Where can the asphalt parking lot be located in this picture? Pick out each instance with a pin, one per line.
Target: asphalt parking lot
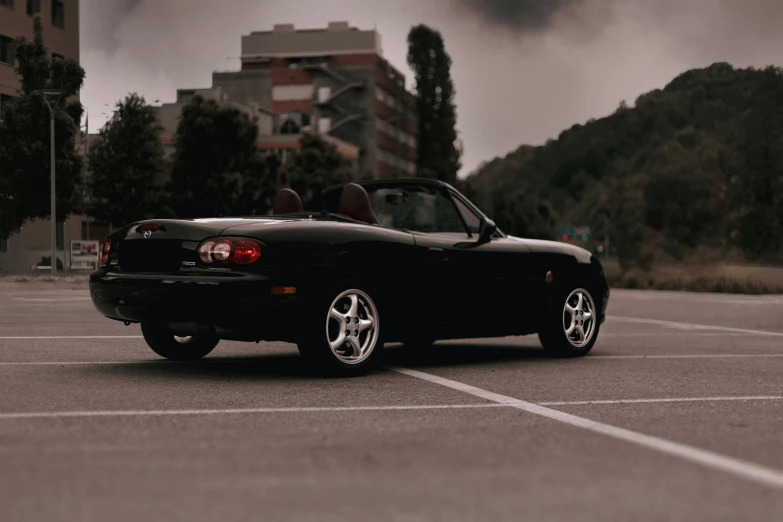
(677, 414)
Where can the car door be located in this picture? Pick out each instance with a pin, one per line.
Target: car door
(448, 284)
(502, 276)
(431, 298)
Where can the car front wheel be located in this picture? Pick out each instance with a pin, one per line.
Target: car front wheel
(344, 335)
(163, 342)
(571, 328)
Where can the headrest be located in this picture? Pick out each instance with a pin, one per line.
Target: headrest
(355, 203)
(287, 201)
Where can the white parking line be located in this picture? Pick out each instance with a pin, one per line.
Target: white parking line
(763, 475)
(87, 363)
(135, 413)
(49, 300)
(691, 333)
(664, 400)
(65, 337)
(717, 299)
(691, 326)
(244, 361)
(685, 356)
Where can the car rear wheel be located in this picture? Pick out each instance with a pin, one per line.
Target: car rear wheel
(343, 337)
(571, 327)
(164, 343)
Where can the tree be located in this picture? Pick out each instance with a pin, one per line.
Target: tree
(438, 155)
(315, 166)
(25, 137)
(687, 169)
(759, 187)
(217, 169)
(522, 214)
(127, 164)
(626, 215)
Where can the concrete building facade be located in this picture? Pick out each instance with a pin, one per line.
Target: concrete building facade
(60, 20)
(273, 137)
(335, 81)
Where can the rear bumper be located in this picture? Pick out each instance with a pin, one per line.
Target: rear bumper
(240, 302)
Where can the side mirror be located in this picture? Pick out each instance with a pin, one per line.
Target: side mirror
(486, 229)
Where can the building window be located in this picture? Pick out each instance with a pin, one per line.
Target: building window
(7, 51)
(3, 246)
(289, 126)
(33, 7)
(7, 3)
(58, 14)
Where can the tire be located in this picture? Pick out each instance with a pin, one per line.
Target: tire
(564, 315)
(165, 343)
(324, 345)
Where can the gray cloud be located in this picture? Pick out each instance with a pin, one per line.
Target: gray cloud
(523, 15)
(571, 18)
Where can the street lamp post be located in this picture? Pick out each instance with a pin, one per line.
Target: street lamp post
(52, 202)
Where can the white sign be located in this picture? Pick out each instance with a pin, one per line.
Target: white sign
(84, 253)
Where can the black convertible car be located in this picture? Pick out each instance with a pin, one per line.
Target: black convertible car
(405, 260)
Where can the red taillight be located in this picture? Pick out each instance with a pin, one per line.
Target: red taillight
(246, 252)
(105, 247)
(223, 251)
(150, 227)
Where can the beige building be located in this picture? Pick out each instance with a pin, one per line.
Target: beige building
(335, 81)
(270, 137)
(61, 36)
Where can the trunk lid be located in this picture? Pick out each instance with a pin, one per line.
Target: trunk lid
(169, 245)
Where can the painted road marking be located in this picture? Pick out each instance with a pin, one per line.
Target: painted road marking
(50, 300)
(65, 337)
(135, 413)
(663, 400)
(691, 332)
(75, 363)
(691, 326)
(260, 359)
(676, 356)
(305, 409)
(602, 335)
(755, 301)
(761, 474)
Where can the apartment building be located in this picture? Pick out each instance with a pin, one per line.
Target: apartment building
(272, 135)
(60, 20)
(335, 81)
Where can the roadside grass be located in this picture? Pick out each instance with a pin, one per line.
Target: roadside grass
(726, 279)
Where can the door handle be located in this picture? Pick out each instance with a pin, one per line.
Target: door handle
(438, 254)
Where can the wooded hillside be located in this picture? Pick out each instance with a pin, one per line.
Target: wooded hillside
(694, 167)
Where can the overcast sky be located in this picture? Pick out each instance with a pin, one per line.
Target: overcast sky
(524, 70)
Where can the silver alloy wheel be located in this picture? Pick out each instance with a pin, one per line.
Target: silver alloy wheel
(579, 318)
(352, 326)
(183, 339)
